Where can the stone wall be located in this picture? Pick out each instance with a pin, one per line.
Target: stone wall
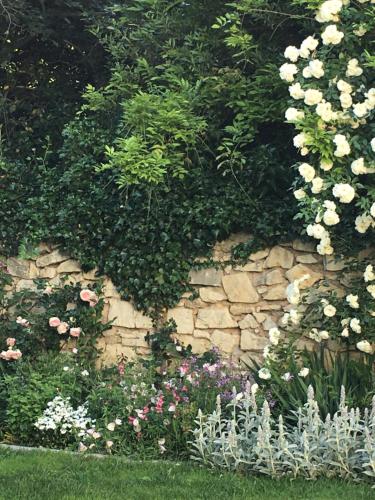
(234, 311)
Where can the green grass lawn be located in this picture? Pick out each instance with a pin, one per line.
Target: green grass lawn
(41, 475)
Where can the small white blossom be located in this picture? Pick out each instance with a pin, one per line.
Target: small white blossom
(331, 35)
(365, 346)
(304, 372)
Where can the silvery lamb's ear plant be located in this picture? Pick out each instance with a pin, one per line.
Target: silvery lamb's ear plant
(248, 438)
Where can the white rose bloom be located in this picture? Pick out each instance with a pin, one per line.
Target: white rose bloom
(353, 68)
(287, 72)
(299, 194)
(360, 109)
(329, 205)
(306, 72)
(373, 144)
(304, 372)
(317, 185)
(345, 332)
(331, 35)
(307, 172)
(314, 335)
(287, 376)
(295, 316)
(285, 319)
(352, 300)
(296, 91)
(342, 145)
(310, 43)
(316, 68)
(344, 87)
(330, 218)
(369, 274)
(312, 97)
(371, 97)
(316, 231)
(291, 53)
(304, 151)
(324, 247)
(326, 165)
(264, 374)
(324, 110)
(324, 335)
(371, 290)
(365, 346)
(274, 336)
(299, 140)
(328, 11)
(294, 115)
(346, 100)
(363, 222)
(358, 167)
(372, 210)
(329, 311)
(344, 192)
(355, 325)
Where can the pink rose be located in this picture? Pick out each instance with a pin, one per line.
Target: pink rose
(75, 332)
(11, 342)
(11, 355)
(54, 322)
(86, 295)
(62, 328)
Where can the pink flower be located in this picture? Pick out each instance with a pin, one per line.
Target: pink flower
(11, 355)
(54, 322)
(11, 342)
(75, 332)
(85, 295)
(172, 407)
(62, 328)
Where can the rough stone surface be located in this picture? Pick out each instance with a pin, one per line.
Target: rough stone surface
(304, 246)
(208, 277)
(238, 309)
(122, 313)
(248, 322)
(49, 259)
(184, 319)
(19, 268)
(142, 321)
(252, 341)
(307, 258)
(25, 285)
(275, 277)
(239, 288)
(212, 294)
(224, 340)
(47, 272)
(277, 292)
(215, 317)
(300, 270)
(332, 264)
(69, 266)
(261, 254)
(280, 257)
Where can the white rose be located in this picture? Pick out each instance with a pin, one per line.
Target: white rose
(287, 72)
(299, 140)
(316, 231)
(369, 274)
(299, 194)
(353, 69)
(360, 109)
(331, 35)
(363, 222)
(371, 290)
(307, 172)
(344, 192)
(355, 325)
(328, 11)
(326, 165)
(373, 144)
(304, 151)
(372, 210)
(324, 110)
(358, 167)
(296, 91)
(324, 335)
(264, 374)
(309, 44)
(365, 346)
(316, 68)
(330, 218)
(306, 72)
(317, 185)
(274, 336)
(344, 87)
(291, 53)
(352, 300)
(346, 100)
(324, 247)
(304, 372)
(294, 115)
(342, 145)
(371, 97)
(345, 332)
(312, 97)
(329, 205)
(329, 311)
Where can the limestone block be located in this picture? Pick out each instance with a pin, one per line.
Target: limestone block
(269, 306)
(238, 309)
(91, 275)
(142, 321)
(110, 290)
(225, 341)
(47, 272)
(113, 352)
(276, 292)
(248, 322)
(275, 277)
(262, 289)
(184, 319)
(249, 358)
(34, 271)
(307, 258)
(208, 277)
(280, 257)
(129, 340)
(332, 264)
(304, 246)
(18, 267)
(250, 341)
(198, 345)
(258, 279)
(26, 285)
(122, 313)
(233, 240)
(49, 259)
(212, 294)
(202, 334)
(253, 267)
(215, 317)
(69, 266)
(260, 317)
(269, 323)
(261, 254)
(192, 304)
(239, 288)
(300, 270)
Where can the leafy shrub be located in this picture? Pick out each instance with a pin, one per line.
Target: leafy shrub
(251, 440)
